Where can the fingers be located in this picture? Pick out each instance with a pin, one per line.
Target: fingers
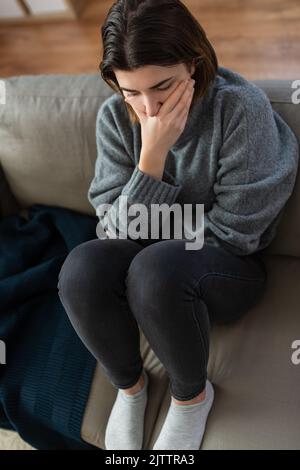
(185, 99)
(184, 104)
(187, 95)
(182, 115)
(174, 98)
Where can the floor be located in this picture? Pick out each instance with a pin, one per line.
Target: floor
(258, 38)
(11, 440)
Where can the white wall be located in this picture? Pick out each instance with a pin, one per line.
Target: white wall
(46, 6)
(10, 9)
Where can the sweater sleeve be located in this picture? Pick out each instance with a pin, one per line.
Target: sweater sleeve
(257, 169)
(116, 175)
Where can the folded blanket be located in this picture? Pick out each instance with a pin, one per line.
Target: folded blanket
(45, 382)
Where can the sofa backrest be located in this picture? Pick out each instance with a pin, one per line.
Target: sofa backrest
(48, 148)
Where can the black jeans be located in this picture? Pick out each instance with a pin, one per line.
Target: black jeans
(110, 286)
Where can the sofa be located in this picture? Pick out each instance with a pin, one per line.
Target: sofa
(47, 156)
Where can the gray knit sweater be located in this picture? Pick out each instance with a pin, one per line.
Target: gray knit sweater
(236, 156)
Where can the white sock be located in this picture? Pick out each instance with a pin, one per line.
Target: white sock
(184, 425)
(125, 427)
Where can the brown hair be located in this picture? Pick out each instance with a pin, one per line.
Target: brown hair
(155, 32)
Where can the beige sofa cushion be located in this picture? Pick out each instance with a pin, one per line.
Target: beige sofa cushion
(48, 147)
(47, 135)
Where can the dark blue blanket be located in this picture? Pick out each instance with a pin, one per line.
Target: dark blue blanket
(45, 382)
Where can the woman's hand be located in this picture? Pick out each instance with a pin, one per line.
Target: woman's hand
(160, 132)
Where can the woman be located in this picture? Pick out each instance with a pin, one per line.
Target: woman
(213, 140)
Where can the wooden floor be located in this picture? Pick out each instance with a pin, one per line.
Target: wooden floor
(258, 38)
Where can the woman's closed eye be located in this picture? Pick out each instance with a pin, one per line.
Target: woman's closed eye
(160, 89)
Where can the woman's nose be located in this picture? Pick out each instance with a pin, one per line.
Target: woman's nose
(151, 108)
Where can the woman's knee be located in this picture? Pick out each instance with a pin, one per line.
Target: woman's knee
(153, 279)
(77, 267)
(95, 265)
(87, 269)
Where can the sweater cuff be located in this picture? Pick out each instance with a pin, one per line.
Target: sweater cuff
(149, 190)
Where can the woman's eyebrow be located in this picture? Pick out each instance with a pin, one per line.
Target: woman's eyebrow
(152, 87)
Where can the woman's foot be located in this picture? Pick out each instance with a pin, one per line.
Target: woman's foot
(184, 425)
(125, 427)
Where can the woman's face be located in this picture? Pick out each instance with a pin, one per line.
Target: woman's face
(147, 88)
